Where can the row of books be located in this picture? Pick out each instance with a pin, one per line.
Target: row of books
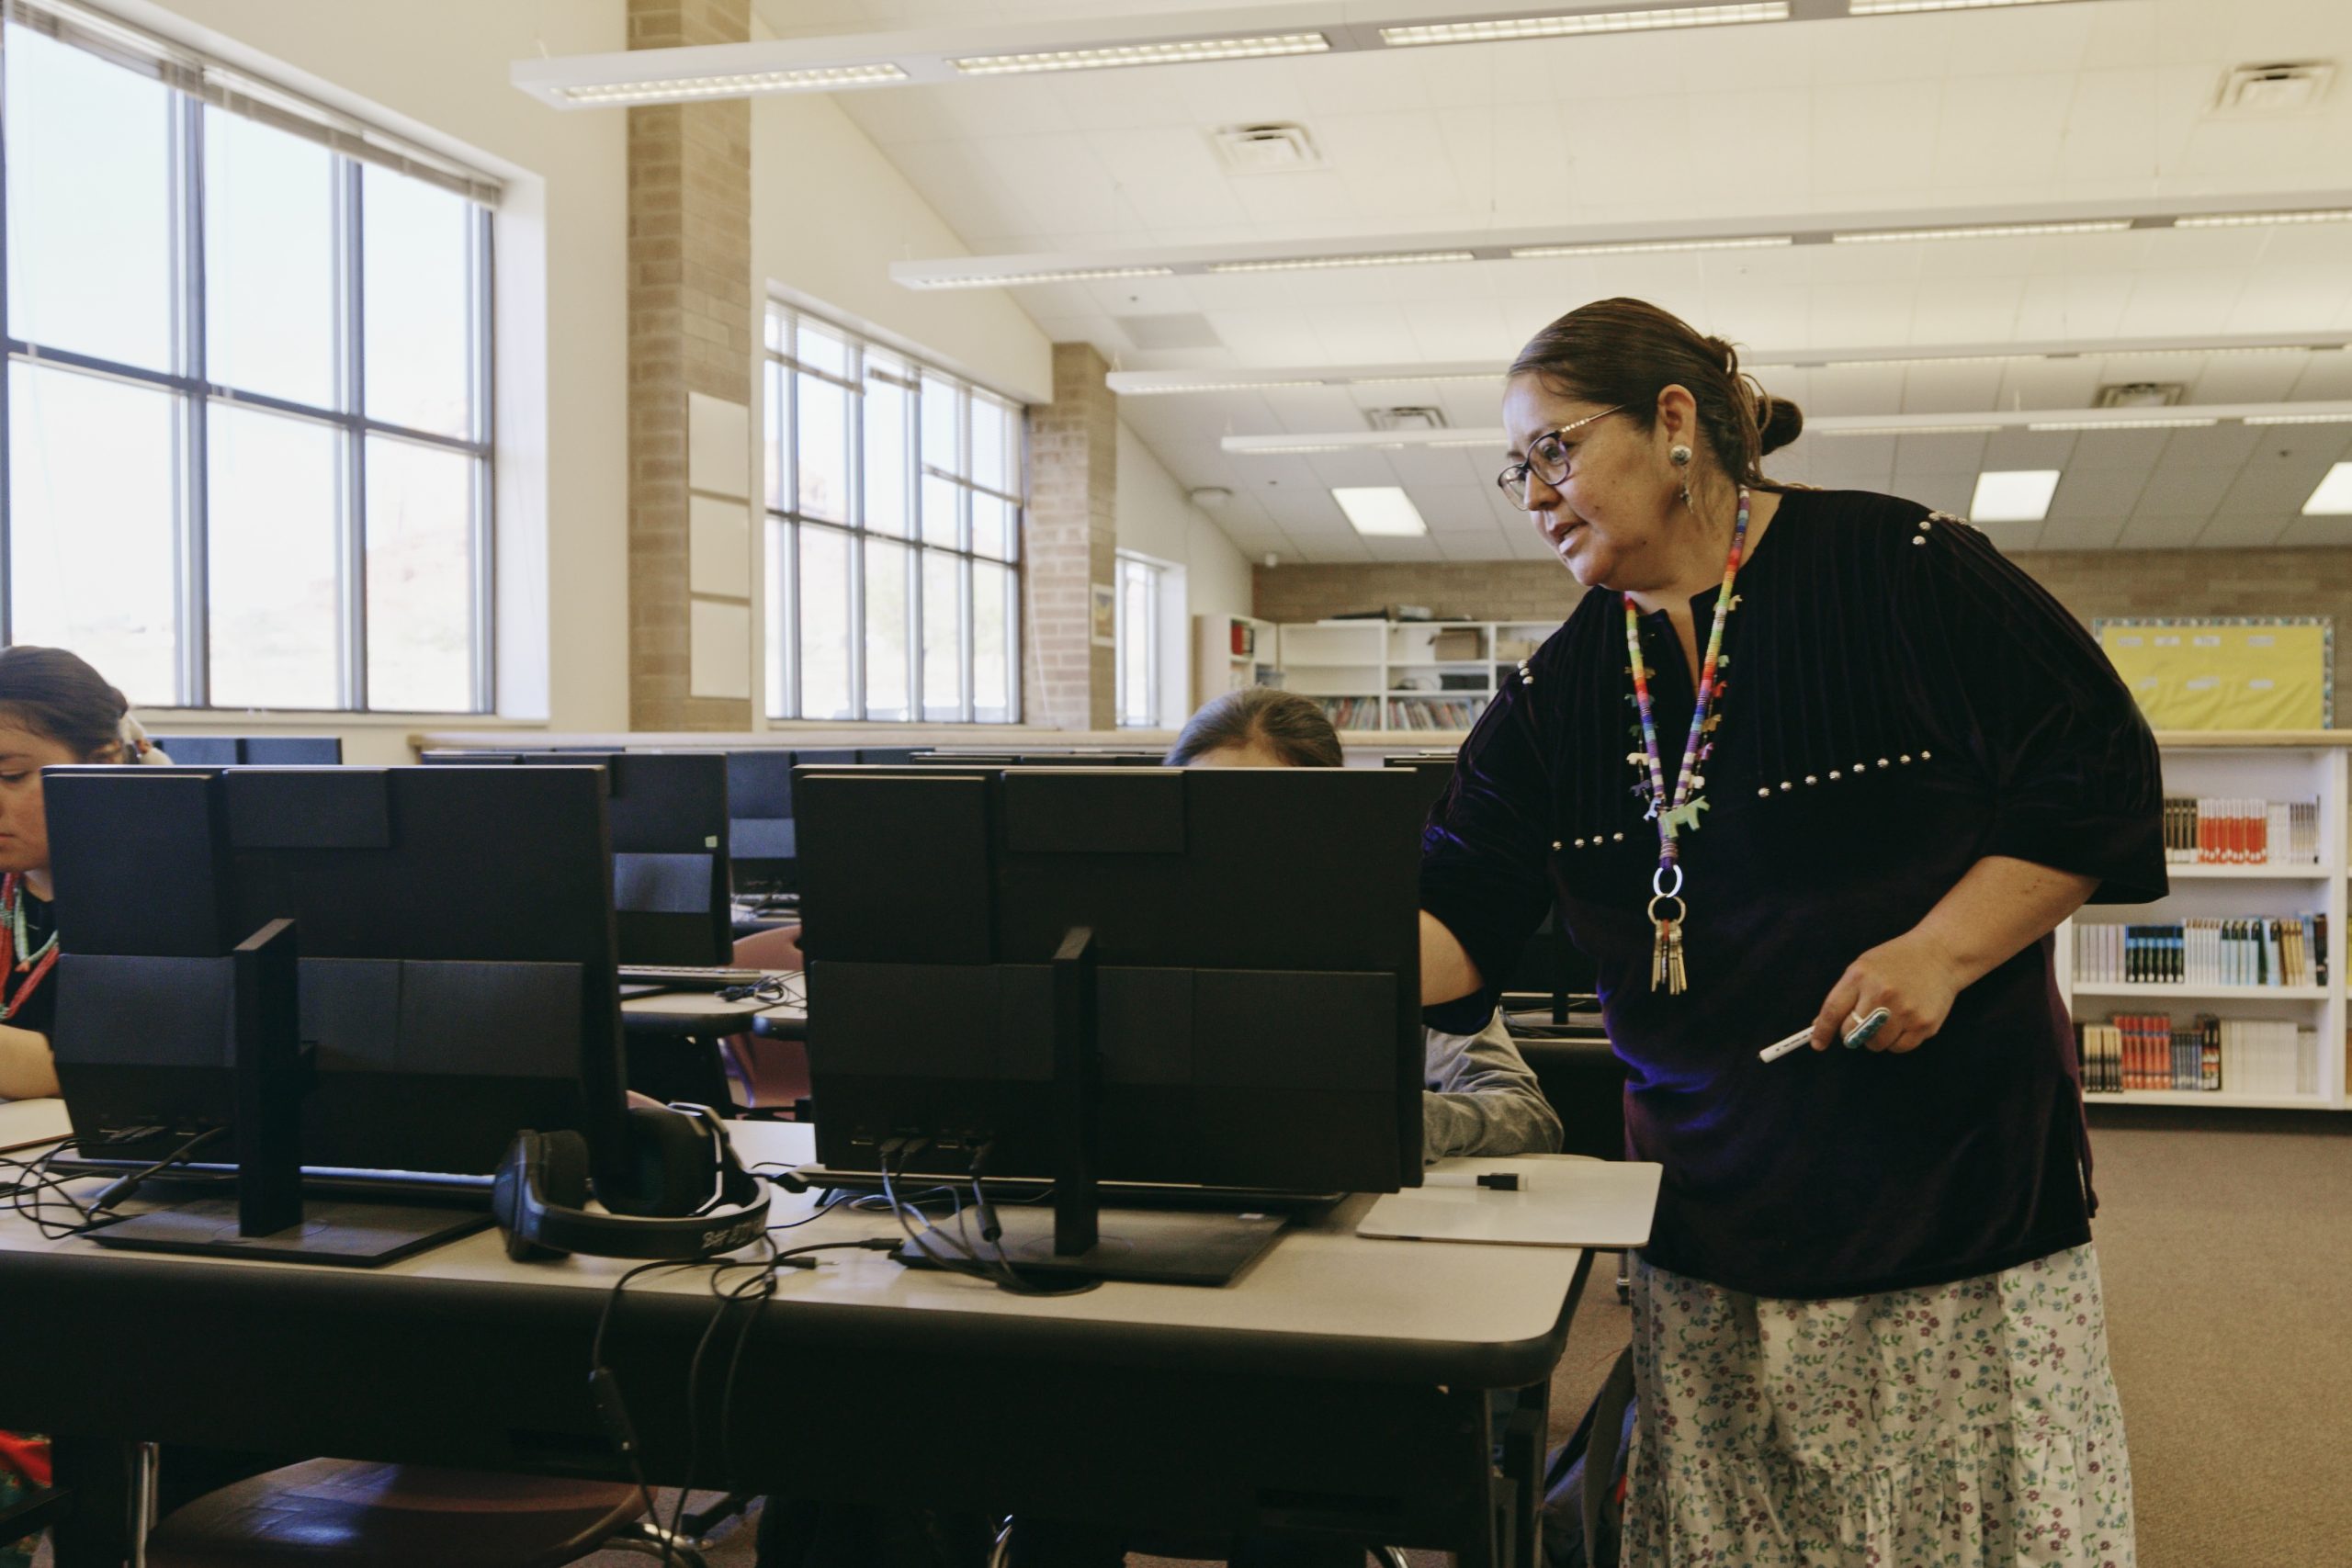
(1353, 712)
(2204, 1053)
(2240, 830)
(1434, 713)
(2256, 951)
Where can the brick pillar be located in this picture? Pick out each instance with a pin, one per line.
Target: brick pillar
(1069, 682)
(691, 330)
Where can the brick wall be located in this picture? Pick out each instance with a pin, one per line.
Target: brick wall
(1070, 544)
(692, 329)
(2089, 582)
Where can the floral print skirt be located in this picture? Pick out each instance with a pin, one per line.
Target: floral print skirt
(1971, 1425)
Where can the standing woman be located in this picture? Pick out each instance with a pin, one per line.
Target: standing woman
(1799, 757)
(53, 709)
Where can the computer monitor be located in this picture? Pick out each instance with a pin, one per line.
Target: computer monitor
(764, 839)
(1250, 964)
(267, 750)
(1550, 969)
(671, 830)
(455, 935)
(1070, 759)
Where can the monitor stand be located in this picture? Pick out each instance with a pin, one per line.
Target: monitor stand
(1156, 1245)
(267, 1218)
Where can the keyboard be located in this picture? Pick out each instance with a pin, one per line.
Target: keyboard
(688, 976)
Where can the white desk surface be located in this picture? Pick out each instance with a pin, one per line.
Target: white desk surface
(29, 1121)
(1319, 1281)
(706, 1004)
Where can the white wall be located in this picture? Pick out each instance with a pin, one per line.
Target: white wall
(1155, 519)
(435, 70)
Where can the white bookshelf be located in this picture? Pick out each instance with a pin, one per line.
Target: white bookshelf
(1218, 669)
(2299, 767)
(1426, 678)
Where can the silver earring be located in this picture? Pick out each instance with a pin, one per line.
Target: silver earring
(1679, 455)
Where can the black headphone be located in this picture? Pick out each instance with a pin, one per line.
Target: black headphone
(689, 1196)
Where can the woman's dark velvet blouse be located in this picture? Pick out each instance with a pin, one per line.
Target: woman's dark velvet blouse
(1900, 701)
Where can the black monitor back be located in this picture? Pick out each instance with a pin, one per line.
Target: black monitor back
(670, 831)
(456, 933)
(261, 751)
(1258, 942)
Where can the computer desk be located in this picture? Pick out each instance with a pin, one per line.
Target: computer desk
(1338, 1385)
(700, 1014)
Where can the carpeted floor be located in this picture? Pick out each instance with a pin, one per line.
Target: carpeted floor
(2226, 1242)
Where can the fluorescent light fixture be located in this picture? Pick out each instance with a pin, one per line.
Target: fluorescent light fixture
(1630, 247)
(2190, 423)
(1305, 264)
(817, 78)
(1494, 375)
(1906, 8)
(1159, 391)
(1905, 430)
(2344, 418)
(1008, 280)
(1381, 512)
(2249, 219)
(1983, 231)
(2333, 496)
(1188, 52)
(1930, 359)
(1509, 29)
(2013, 495)
(1297, 451)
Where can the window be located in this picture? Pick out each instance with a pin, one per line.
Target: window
(247, 407)
(1139, 639)
(894, 532)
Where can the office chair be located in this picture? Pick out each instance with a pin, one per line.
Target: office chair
(772, 1073)
(329, 1513)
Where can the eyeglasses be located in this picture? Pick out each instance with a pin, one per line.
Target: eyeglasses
(1547, 460)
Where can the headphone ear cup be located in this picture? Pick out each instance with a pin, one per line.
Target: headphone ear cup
(668, 1165)
(556, 1166)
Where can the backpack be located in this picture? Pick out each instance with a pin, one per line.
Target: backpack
(1584, 1498)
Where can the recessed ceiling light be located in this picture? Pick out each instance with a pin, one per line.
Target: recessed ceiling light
(1380, 511)
(1983, 231)
(2333, 496)
(1508, 29)
(2190, 423)
(1008, 280)
(2013, 495)
(1930, 359)
(1903, 7)
(2249, 219)
(1303, 264)
(820, 78)
(2344, 418)
(1186, 52)
(1630, 247)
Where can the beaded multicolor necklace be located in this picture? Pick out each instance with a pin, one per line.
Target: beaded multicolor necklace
(1680, 813)
(20, 954)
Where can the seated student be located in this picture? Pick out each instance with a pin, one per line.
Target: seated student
(1482, 1097)
(53, 709)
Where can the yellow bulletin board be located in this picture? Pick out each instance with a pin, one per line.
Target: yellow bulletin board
(2243, 673)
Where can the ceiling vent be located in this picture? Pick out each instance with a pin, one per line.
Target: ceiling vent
(2140, 395)
(1410, 418)
(1276, 147)
(2286, 87)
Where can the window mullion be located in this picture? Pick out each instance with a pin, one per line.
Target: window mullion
(351, 512)
(483, 322)
(192, 470)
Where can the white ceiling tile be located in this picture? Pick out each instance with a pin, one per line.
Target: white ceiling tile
(1872, 137)
(2010, 538)
(2226, 444)
(2325, 375)
(2184, 302)
(1454, 509)
(1949, 388)
(2174, 491)
(2079, 533)
(1939, 493)
(2309, 532)
(2235, 531)
(2108, 494)
(2007, 449)
(2280, 478)
(2136, 450)
(1862, 391)
(2244, 378)
(1918, 457)
(1992, 126)
(2160, 533)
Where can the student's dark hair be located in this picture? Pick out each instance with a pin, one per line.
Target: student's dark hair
(1294, 726)
(1623, 353)
(54, 695)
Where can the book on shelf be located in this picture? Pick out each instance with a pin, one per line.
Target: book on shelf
(2205, 1054)
(1433, 712)
(2283, 950)
(2240, 830)
(1351, 712)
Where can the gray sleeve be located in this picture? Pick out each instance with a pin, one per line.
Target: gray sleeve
(1483, 1098)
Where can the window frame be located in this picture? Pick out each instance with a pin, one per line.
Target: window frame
(782, 368)
(1145, 639)
(196, 395)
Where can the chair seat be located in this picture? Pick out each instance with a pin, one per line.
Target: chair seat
(348, 1514)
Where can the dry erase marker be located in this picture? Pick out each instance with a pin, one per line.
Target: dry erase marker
(1863, 1035)
(1780, 1048)
(1494, 1181)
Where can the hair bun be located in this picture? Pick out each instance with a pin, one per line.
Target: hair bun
(1777, 422)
